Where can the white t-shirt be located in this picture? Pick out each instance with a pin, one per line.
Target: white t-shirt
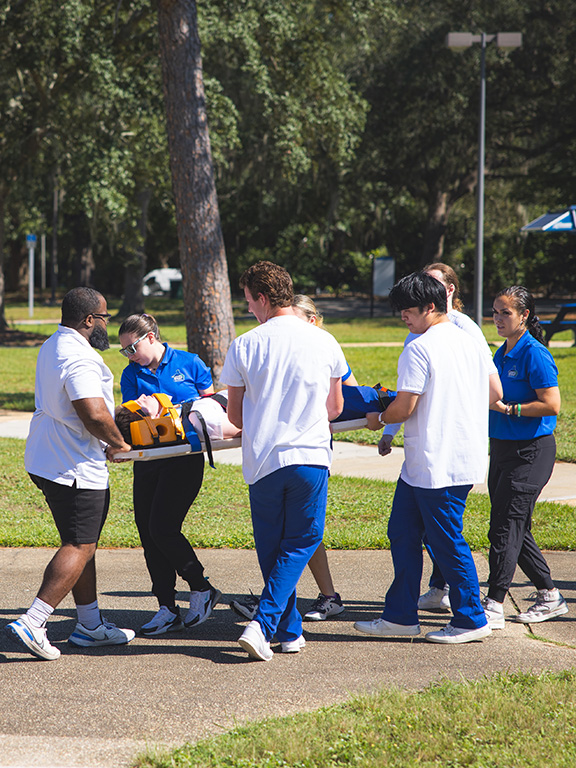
(468, 325)
(59, 447)
(285, 365)
(446, 437)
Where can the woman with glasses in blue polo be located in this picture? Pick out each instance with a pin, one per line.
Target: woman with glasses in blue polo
(165, 489)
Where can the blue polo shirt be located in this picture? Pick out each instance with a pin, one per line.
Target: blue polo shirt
(180, 374)
(527, 367)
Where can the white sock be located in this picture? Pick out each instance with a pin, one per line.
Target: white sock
(89, 615)
(39, 613)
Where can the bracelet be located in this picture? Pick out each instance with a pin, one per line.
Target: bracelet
(380, 418)
(518, 409)
(508, 409)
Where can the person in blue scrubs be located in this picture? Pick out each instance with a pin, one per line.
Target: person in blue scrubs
(164, 490)
(522, 454)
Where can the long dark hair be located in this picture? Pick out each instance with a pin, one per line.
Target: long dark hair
(523, 300)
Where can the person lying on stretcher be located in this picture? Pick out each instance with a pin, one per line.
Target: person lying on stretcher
(153, 420)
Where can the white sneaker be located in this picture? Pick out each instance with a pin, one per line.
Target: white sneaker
(31, 639)
(165, 620)
(549, 603)
(435, 600)
(494, 613)
(450, 634)
(106, 634)
(293, 646)
(201, 605)
(385, 628)
(253, 641)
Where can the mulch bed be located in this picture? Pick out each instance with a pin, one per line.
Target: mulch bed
(14, 338)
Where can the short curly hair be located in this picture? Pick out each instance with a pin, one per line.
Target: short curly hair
(270, 280)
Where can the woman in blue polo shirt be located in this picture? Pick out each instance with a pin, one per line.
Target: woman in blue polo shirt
(522, 454)
(164, 489)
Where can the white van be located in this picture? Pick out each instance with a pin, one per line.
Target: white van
(159, 281)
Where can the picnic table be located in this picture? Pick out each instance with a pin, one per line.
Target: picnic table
(560, 322)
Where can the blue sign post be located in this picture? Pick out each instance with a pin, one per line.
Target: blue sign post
(31, 243)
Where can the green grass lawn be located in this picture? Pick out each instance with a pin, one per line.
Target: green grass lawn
(508, 721)
(357, 514)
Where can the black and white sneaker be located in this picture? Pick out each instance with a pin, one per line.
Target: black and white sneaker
(201, 605)
(165, 620)
(247, 608)
(324, 607)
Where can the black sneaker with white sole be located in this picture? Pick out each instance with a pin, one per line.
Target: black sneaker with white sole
(165, 620)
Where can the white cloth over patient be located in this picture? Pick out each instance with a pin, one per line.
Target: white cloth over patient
(212, 413)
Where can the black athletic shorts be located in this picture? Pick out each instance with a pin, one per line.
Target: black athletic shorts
(79, 513)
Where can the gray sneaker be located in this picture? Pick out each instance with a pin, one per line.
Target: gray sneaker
(324, 607)
(106, 634)
(549, 603)
(247, 608)
(201, 605)
(163, 621)
(31, 639)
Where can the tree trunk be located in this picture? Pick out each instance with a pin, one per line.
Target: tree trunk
(207, 299)
(435, 232)
(3, 196)
(133, 302)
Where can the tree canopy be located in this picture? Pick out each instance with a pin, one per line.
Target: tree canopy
(338, 129)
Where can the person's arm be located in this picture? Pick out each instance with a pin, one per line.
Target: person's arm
(350, 381)
(495, 388)
(335, 399)
(235, 400)
(209, 391)
(95, 416)
(398, 411)
(547, 404)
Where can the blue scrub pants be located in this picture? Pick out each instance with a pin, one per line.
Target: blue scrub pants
(434, 513)
(288, 512)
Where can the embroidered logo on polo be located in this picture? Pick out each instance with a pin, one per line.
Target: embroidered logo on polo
(512, 373)
(178, 376)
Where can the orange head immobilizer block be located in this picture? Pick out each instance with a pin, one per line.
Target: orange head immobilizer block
(165, 429)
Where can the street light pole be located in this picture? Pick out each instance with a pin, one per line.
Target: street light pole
(458, 41)
(479, 261)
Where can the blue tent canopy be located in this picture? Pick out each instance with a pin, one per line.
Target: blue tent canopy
(554, 221)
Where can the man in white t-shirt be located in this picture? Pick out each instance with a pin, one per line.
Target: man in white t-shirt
(445, 385)
(284, 385)
(72, 427)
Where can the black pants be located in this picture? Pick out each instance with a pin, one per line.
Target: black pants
(163, 493)
(519, 469)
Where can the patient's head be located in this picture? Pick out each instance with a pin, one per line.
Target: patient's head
(123, 418)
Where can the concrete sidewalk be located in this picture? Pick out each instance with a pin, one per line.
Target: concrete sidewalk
(99, 708)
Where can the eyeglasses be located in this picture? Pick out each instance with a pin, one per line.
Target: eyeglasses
(105, 317)
(130, 349)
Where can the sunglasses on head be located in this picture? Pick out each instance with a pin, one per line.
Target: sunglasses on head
(130, 349)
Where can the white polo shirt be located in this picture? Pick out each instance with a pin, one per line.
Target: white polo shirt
(59, 447)
(286, 366)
